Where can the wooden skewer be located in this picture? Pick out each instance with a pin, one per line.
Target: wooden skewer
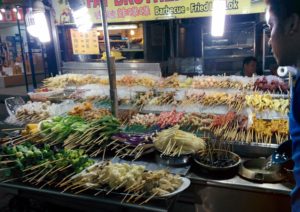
(147, 200)
(139, 197)
(63, 182)
(41, 178)
(48, 183)
(3, 169)
(7, 155)
(10, 180)
(139, 153)
(115, 147)
(103, 156)
(123, 200)
(67, 188)
(98, 192)
(31, 173)
(40, 165)
(7, 161)
(97, 152)
(36, 176)
(130, 198)
(89, 187)
(64, 168)
(110, 191)
(130, 187)
(11, 129)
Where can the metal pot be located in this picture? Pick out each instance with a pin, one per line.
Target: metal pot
(261, 170)
(218, 172)
(283, 155)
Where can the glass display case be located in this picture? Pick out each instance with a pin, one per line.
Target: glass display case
(225, 54)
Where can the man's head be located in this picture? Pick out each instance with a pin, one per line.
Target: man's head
(249, 66)
(283, 17)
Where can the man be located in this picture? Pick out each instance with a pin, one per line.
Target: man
(249, 67)
(273, 69)
(283, 17)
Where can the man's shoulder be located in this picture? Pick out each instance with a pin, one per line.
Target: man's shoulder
(239, 73)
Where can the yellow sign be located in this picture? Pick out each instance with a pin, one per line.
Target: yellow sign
(146, 10)
(85, 42)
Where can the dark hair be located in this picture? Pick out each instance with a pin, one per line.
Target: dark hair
(284, 8)
(248, 60)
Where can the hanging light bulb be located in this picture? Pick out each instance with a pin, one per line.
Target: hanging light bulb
(41, 21)
(267, 16)
(2, 10)
(14, 10)
(36, 22)
(81, 16)
(31, 23)
(19, 17)
(218, 18)
(132, 32)
(82, 19)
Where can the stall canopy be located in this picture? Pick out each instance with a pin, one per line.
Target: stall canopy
(146, 10)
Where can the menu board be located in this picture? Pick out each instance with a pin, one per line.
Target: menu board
(85, 42)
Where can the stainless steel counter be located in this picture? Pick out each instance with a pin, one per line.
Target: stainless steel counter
(205, 194)
(101, 68)
(84, 201)
(241, 184)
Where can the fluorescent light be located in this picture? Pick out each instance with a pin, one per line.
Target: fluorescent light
(1, 17)
(41, 21)
(218, 18)
(14, 10)
(2, 10)
(132, 32)
(119, 27)
(37, 25)
(127, 26)
(31, 24)
(267, 16)
(82, 19)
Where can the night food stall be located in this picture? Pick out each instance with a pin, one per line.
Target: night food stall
(169, 133)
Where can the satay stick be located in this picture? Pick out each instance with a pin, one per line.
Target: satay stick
(42, 177)
(31, 173)
(130, 198)
(31, 179)
(111, 143)
(64, 168)
(63, 182)
(115, 147)
(87, 188)
(139, 197)
(120, 150)
(48, 183)
(96, 194)
(164, 152)
(119, 186)
(139, 153)
(179, 153)
(103, 156)
(147, 200)
(77, 185)
(172, 148)
(40, 165)
(130, 187)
